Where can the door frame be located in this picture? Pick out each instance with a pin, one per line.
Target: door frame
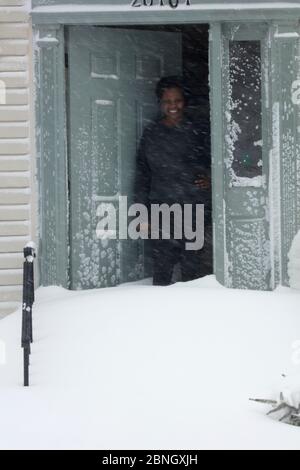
(229, 217)
(52, 131)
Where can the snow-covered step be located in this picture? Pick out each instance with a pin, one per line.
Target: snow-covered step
(11, 261)
(14, 163)
(10, 277)
(12, 228)
(14, 179)
(17, 212)
(12, 245)
(14, 146)
(13, 130)
(7, 308)
(11, 293)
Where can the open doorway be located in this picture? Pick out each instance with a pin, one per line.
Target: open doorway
(107, 115)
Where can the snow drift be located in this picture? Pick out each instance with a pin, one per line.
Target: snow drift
(150, 367)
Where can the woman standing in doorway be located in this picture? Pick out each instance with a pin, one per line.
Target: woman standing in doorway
(173, 166)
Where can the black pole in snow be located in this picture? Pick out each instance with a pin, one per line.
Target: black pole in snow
(28, 299)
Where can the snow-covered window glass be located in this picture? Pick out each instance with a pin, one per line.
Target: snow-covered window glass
(246, 112)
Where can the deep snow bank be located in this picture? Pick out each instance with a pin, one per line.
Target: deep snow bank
(149, 367)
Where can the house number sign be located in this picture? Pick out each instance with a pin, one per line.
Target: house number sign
(161, 3)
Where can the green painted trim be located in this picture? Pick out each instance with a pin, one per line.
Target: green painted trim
(52, 138)
(51, 155)
(268, 170)
(274, 162)
(244, 31)
(288, 69)
(235, 215)
(135, 16)
(216, 106)
(195, 3)
(266, 122)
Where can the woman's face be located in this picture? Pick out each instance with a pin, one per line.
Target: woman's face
(172, 105)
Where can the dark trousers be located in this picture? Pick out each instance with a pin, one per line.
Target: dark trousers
(193, 263)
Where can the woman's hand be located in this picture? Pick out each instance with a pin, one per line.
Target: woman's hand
(203, 182)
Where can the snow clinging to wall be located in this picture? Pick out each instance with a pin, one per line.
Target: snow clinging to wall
(294, 262)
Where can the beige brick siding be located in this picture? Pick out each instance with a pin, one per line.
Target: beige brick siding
(16, 149)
